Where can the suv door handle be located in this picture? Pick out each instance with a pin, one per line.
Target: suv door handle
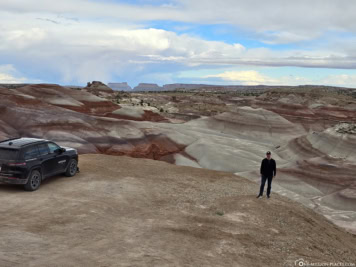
(31, 160)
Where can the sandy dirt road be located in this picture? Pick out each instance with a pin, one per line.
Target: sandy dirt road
(121, 211)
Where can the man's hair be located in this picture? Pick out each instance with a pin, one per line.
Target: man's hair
(268, 153)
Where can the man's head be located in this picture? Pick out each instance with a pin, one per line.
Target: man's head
(268, 154)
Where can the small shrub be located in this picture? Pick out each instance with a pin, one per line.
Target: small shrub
(220, 213)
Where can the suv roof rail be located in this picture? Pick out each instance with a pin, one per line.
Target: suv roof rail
(7, 140)
(22, 141)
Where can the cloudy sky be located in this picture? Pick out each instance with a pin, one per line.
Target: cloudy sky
(189, 41)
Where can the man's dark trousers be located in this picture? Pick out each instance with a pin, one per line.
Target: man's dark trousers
(269, 185)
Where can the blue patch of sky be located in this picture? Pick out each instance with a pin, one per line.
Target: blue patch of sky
(226, 33)
(142, 2)
(150, 73)
(27, 68)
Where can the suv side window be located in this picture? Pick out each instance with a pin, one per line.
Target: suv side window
(30, 153)
(43, 149)
(52, 147)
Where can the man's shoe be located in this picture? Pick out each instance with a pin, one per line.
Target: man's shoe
(268, 196)
(259, 196)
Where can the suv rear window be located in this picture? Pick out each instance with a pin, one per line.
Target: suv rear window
(8, 154)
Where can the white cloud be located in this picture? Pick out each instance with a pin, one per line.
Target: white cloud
(252, 77)
(276, 20)
(7, 75)
(345, 80)
(85, 51)
(7, 78)
(20, 39)
(80, 40)
(249, 77)
(285, 37)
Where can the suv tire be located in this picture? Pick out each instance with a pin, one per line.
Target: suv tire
(34, 181)
(72, 168)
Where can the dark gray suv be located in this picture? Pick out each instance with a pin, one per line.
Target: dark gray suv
(28, 161)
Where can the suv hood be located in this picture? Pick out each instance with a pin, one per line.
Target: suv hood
(69, 149)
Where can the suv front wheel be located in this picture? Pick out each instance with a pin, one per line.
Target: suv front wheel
(34, 181)
(72, 168)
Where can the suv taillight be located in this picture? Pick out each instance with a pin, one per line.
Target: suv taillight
(17, 164)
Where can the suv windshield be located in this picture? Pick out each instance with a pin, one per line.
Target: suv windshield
(8, 154)
(52, 147)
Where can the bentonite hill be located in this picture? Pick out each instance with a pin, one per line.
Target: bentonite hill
(142, 211)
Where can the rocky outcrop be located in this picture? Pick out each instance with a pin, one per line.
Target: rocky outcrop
(346, 128)
(97, 86)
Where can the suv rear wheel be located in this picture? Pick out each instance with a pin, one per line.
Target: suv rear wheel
(72, 168)
(34, 181)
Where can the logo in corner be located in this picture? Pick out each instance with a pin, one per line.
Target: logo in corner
(299, 262)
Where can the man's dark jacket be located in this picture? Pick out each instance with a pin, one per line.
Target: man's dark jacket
(268, 167)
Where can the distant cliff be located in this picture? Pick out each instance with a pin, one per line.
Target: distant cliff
(120, 86)
(211, 88)
(148, 87)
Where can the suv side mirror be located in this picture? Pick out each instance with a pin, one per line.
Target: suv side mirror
(60, 150)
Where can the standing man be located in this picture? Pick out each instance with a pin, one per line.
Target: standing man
(268, 170)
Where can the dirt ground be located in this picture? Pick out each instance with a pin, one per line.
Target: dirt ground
(121, 211)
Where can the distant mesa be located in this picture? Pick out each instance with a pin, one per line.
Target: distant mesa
(199, 87)
(188, 87)
(147, 87)
(222, 88)
(97, 86)
(169, 87)
(184, 86)
(120, 86)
